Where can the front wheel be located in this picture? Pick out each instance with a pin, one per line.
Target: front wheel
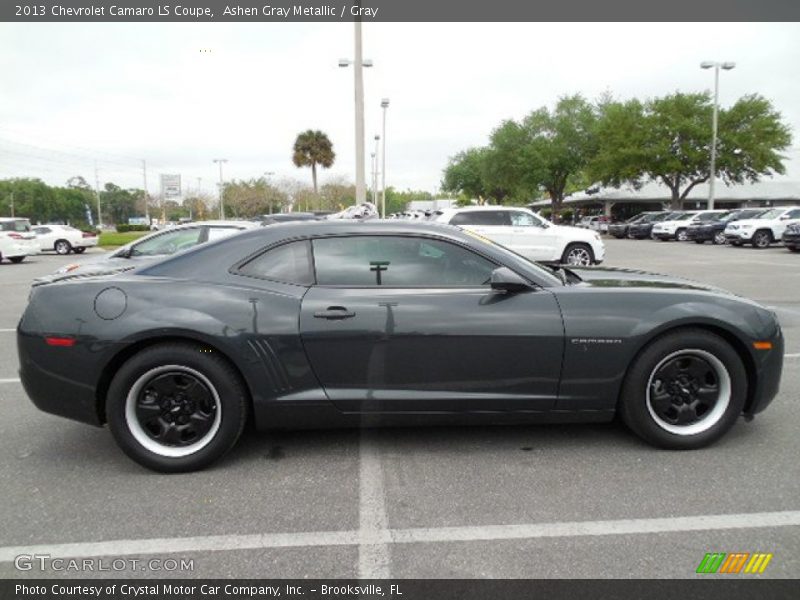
(16, 259)
(62, 247)
(719, 239)
(681, 235)
(793, 248)
(762, 239)
(699, 241)
(578, 255)
(684, 391)
(176, 407)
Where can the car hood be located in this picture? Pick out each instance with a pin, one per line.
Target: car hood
(753, 222)
(575, 232)
(610, 277)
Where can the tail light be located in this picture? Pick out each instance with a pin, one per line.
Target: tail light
(63, 342)
(15, 236)
(86, 234)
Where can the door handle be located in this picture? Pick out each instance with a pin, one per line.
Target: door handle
(334, 313)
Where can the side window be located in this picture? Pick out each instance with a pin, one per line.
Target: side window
(793, 214)
(290, 263)
(481, 217)
(41, 230)
(215, 233)
(168, 243)
(523, 219)
(397, 261)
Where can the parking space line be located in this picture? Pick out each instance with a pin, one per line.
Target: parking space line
(10, 380)
(7, 330)
(212, 543)
(373, 535)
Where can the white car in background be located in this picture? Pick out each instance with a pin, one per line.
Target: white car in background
(675, 228)
(763, 230)
(528, 234)
(63, 238)
(154, 246)
(16, 239)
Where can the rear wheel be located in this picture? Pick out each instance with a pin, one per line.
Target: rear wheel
(793, 248)
(62, 247)
(680, 235)
(176, 407)
(684, 391)
(79, 250)
(578, 255)
(699, 241)
(16, 259)
(762, 239)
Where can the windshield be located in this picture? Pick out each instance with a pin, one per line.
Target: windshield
(17, 225)
(710, 216)
(771, 214)
(684, 217)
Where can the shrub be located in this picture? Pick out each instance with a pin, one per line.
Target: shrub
(125, 228)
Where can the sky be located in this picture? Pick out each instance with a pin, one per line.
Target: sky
(180, 95)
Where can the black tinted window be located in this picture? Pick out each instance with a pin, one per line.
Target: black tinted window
(290, 263)
(481, 217)
(397, 261)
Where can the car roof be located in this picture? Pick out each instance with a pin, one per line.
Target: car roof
(454, 209)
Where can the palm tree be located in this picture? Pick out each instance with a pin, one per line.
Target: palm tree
(312, 148)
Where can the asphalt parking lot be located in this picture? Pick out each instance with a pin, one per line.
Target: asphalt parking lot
(586, 501)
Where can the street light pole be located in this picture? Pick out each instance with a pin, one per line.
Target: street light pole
(268, 174)
(220, 161)
(384, 105)
(377, 172)
(358, 76)
(713, 167)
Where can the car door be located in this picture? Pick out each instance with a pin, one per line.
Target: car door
(45, 237)
(410, 324)
(530, 236)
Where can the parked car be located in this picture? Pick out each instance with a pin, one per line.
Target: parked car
(620, 230)
(153, 246)
(763, 230)
(791, 237)
(334, 324)
(595, 223)
(523, 231)
(16, 239)
(64, 239)
(714, 230)
(675, 228)
(644, 229)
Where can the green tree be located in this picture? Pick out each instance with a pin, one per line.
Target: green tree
(546, 151)
(474, 174)
(313, 148)
(120, 204)
(668, 140)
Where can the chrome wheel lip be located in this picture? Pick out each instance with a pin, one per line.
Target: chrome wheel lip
(579, 257)
(147, 442)
(762, 236)
(62, 246)
(719, 239)
(708, 420)
(681, 236)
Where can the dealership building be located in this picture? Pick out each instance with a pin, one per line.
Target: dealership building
(626, 201)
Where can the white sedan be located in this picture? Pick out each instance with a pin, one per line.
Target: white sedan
(528, 234)
(64, 239)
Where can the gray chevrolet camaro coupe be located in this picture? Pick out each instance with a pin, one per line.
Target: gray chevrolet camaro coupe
(348, 323)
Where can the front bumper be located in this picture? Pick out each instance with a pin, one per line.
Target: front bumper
(791, 239)
(739, 235)
(700, 234)
(664, 235)
(769, 367)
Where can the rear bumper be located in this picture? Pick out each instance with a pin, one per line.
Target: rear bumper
(53, 392)
(85, 243)
(664, 235)
(700, 234)
(21, 249)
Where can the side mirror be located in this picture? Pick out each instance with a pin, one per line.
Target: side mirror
(505, 280)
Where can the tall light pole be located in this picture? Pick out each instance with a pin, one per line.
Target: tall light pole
(375, 184)
(373, 162)
(267, 175)
(146, 203)
(384, 106)
(713, 170)
(358, 64)
(220, 161)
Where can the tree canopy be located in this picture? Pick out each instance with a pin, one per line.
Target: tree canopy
(312, 148)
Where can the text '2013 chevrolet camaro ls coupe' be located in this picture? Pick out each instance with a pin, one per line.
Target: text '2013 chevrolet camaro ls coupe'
(324, 324)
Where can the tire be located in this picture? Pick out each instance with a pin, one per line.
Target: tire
(16, 259)
(699, 241)
(737, 244)
(715, 364)
(719, 239)
(793, 248)
(203, 426)
(761, 239)
(680, 235)
(79, 250)
(62, 247)
(578, 255)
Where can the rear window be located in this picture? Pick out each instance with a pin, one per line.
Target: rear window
(17, 225)
(289, 263)
(481, 217)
